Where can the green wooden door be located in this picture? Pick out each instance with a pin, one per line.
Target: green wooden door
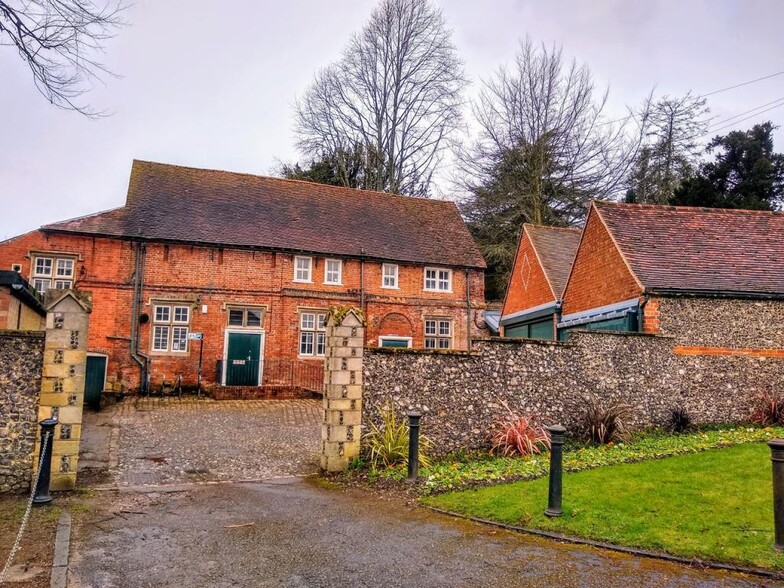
(243, 359)
(94, 378)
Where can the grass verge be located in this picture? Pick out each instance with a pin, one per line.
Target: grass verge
(462, 471)
(715, 505)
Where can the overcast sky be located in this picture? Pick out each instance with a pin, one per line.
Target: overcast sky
(211, 84)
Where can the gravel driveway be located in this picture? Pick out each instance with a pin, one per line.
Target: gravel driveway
(171, 441)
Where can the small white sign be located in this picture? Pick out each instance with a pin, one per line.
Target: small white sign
(195, 336)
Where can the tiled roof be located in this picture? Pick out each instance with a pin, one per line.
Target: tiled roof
(699, 249)
(555, 247)
(175, 203)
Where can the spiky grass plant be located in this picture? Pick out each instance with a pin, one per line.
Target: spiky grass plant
(387, 441)
(604, 422)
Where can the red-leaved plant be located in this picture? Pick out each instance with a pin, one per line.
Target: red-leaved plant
(768, 410)
(519, 435)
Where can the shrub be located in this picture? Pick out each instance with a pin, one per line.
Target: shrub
(679, 420)
(768, 410)
(604, 423)
(387, 443)
(520, 436)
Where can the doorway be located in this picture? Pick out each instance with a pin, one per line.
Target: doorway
(94, 380)
(243, 359)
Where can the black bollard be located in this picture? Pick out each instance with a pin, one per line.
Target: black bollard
(42, 495)
(556, 471)
(777, 459)
(413, 445)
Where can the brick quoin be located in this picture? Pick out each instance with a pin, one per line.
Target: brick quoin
(522, 294)
(215, 277)
(599, 275)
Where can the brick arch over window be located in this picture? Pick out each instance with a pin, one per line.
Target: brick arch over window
(395, 323)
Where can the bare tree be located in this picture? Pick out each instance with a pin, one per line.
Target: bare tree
(396, 92)
(672, 148)
(543, 150)
(58, 40)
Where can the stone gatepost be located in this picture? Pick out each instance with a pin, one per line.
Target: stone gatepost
(341, 431)
(62, 384)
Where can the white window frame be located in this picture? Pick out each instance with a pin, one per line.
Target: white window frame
(318, 332)
(408, 340)
(438, 337)
(309, 269)
(395, 275)
(53, 279)
(438, 279)
(170, 325)
(327, 271)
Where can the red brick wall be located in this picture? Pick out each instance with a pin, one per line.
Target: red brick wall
(599, 275)
(216, 277)
(650, 316)
(522, 293)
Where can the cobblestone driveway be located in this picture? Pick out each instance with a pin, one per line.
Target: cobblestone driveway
(174, 441)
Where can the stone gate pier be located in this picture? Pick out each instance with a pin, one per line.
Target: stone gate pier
(341, 430)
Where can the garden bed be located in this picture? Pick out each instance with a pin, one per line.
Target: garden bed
(714, 505)
(469, 470)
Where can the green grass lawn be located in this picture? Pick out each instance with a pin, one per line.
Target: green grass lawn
(715, 505)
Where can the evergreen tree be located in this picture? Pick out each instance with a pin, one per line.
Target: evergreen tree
(745, 173)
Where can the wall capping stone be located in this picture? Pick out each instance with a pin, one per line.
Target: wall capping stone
(23, 334)
(409, 351)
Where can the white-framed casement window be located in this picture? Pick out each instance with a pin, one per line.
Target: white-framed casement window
(247, 317)
(333, 272)
(438, 334)
(52, 272)
(389, 275)
(312, 333)
(303, 268)
(438, 279)
(170, 328)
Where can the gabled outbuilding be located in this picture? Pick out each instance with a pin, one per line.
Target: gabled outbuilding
(709, 277)
(533, 296)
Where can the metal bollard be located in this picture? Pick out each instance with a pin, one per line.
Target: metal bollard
(42, 495)
(413, 445)
(777, 460)
(556, 471)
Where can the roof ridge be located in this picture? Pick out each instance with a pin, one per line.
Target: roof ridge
(684, 209)
(295, 181)
(532, 225)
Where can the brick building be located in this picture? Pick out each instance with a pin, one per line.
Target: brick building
(253, 263)
(711, 278)
(21, 307)
(532, 302)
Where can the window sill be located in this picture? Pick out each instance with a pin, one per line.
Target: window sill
(303, 281)
(437, 291)
(390, 287)
(333, 284)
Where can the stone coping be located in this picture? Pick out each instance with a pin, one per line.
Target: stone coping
(22, 334)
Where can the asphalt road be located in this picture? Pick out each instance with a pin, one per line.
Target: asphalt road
(290, 533)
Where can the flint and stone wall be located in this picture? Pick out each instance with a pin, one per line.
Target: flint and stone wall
(21, 360)
(463, 394)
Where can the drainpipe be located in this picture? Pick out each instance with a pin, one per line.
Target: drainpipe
(468, 309)
(138, 278)
(362, 280)
(641, 313)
